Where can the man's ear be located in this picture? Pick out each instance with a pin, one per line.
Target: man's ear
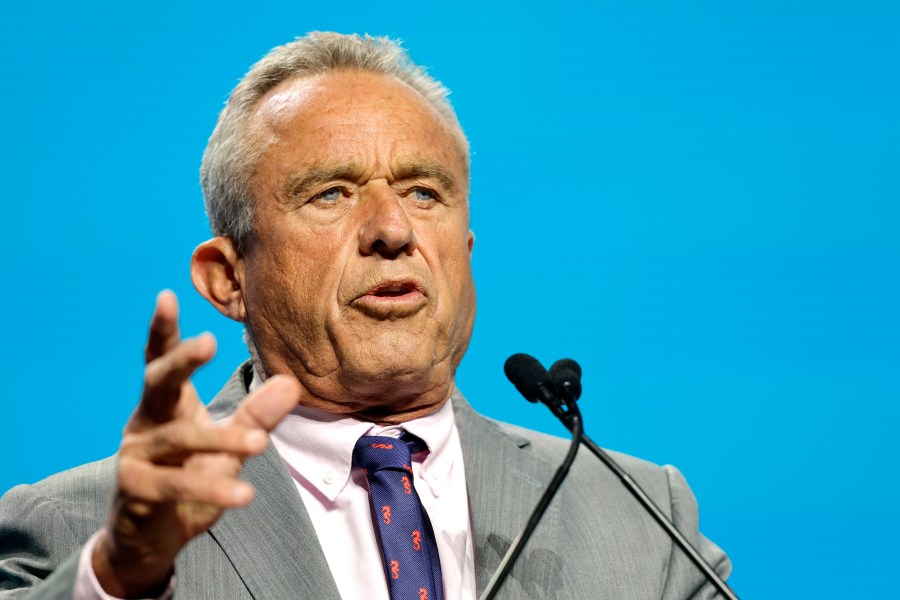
(471, 240)
(217, 270)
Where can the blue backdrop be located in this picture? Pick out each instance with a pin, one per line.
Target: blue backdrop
(697, 200)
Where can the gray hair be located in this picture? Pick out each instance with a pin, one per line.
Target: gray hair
(231, 154)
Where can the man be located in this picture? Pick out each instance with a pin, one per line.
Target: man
(336, 183)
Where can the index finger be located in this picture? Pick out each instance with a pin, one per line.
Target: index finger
(166, 377)
(164, 333)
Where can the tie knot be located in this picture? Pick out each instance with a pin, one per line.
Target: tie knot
(374, 453)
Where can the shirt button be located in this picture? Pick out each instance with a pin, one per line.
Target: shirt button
(329, 478)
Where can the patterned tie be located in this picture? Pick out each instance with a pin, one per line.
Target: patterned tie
(408, 547)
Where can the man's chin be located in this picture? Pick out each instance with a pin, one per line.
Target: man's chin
(392, 371)
(395, 370)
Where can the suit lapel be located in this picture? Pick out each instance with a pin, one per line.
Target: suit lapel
(504, 481)
(271, 543)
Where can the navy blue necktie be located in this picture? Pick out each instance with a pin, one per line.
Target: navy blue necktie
(408, 547)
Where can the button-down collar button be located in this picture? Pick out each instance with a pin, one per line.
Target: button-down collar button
(329, 478)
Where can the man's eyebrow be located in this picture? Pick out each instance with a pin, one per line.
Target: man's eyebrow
(426, 169)
(302, 182)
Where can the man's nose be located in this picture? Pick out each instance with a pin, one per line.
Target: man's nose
(386, 229)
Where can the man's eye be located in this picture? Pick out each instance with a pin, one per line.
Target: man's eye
(329, 195)
(424, 194)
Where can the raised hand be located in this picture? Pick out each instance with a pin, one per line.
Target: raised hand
(177, 470)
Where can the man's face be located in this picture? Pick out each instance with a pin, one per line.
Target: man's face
(357, 277)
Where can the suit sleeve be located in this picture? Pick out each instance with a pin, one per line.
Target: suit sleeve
(683, 579)
(38, 550)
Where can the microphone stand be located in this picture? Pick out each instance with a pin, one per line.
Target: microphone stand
(659, 516)
(571, 418)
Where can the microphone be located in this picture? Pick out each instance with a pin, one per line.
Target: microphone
(566, 377)
(535, 384)
(530, 378)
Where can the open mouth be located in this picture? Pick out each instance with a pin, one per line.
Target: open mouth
(393, 299)
(394, 290)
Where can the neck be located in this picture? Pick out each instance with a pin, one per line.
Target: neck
(380, 409)
(384, 416)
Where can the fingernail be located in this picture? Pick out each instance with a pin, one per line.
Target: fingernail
(256, 438)
(242, 493)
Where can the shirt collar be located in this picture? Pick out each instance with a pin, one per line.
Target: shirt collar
(318, 446)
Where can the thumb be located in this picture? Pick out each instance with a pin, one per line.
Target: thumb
(265, 407)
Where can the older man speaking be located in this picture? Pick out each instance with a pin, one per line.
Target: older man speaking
(336, 182)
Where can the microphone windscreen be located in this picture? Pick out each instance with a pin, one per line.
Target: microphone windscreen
(527, 374)
(566, 374)
(565, 364)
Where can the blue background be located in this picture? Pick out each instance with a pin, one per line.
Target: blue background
(697, 200)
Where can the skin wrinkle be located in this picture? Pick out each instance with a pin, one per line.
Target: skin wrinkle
(301, 185)
(301, 276)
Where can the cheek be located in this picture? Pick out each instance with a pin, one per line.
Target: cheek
(304, 272)
(456, 276)
(300, 281)
(304, 250)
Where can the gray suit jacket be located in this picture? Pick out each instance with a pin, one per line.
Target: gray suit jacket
(594, 542)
